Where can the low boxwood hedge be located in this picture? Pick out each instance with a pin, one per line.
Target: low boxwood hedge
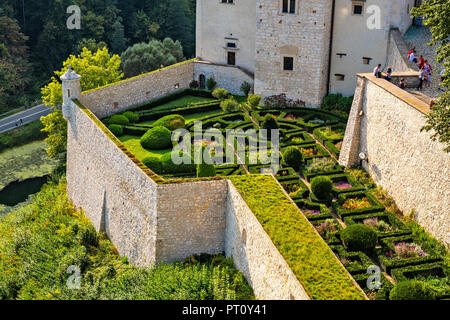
(308, 256)
(118, 119)
(387, 245)
(324, 211)
(391, 219)
(356, 186)
(375, 205)
(380, 294)
(331, 147)
(284, 174)
(169, 167)
(358, 261)
(331, 238)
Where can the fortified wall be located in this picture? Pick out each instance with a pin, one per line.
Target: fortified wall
(384, 124)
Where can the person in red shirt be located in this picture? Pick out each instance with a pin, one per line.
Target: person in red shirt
(421, 62)
(411, 51)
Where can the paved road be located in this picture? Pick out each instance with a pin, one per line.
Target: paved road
(27, 116)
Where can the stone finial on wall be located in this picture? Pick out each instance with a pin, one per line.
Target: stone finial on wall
(71, 90)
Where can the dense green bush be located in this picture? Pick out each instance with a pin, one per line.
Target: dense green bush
(322, 187)
(204, 169)
(133, 117)
(412, 290)
(153, 163)
(194, 84)
(270, 123)
(220, 94)
(211, 83)
(169, 166)
(293, 157)
(359, 237)
(337, 102)
(254, 100)
(246, 87)
(88, 236)
(23, 135)
(171, 122)
(157, 138)
(119, 119)
(229, 105)
(116, 129)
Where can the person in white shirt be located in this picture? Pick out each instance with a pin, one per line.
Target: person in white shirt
(377, 71)
(412, 57)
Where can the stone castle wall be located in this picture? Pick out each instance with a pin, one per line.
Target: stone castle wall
(228, 77)
(398, 53)
(120, 96)
(411, 167)
(305, 36)
(115, 194)
(255, 255)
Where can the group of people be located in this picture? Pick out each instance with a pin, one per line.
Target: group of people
(424, 67)
(378, 72)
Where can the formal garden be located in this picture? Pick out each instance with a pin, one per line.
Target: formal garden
(341, 205)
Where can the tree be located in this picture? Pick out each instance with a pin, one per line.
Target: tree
(146, 57)
(436, 15)
(118, 42)
(96, 69)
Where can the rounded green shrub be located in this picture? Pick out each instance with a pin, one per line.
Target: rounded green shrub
(171, 122)
(157, 138)
(269, 122)
(168, 166)
(204, 169)
(359, 237)
(293, 157)
(229, 105)
(322, 187)
(220, 94)
(116, 129)
(153, 163)
(246, 87)
(133, 117)
(211, 83)
(412, 290)
(119, 119)
(254, 100)
(194, 84)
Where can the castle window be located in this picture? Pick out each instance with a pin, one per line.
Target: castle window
(231, 58)
(340, 77)
(68, 93)
(228, 1)
(366, 60)
(289, 6)
(231, 45)
(358, 8)
(288, 63)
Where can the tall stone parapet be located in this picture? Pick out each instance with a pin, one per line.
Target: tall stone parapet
(71, 90)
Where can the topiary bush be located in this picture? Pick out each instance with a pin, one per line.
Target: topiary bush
(322, 187)
(293, 157)
(269, 122)
(220, 94)
(171, 122)
(194, 84)
(157, 138)
(229, 105)
(116, 129)
(119, 119)
(204, 169)
(254, 100)
(168, 166)
(153, 163)
(133, 117)
(412, 290)
(359, 237)
(211, 83)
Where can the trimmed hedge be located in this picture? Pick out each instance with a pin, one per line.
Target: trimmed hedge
(169, 167)
(388, 245)
(412, 290)
(356, 186)
(133, 117)
(391, 219)
(158, 138)
(308, 256)
(324, 211)
(116, 129)
(376, 206)
(153, 163)
(363, 261)
(118, 119)
(382, 293)
(331, 238)
(171, 122)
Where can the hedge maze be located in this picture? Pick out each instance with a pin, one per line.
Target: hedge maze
(318, 135)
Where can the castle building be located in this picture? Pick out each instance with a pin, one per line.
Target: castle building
(303, 48)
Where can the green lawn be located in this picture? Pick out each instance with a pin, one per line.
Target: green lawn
(191, 117)
(181, 102)
(133, 144)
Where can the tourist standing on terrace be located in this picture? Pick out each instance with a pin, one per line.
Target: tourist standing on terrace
(421, 62)
(422, 75)
(377, 71)
(428, 70)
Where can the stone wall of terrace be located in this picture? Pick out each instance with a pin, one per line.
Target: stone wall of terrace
(385, 123)
(120, 96)
(255, 255)
(398, 53)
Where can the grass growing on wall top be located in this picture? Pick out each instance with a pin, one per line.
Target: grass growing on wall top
(308, 256)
